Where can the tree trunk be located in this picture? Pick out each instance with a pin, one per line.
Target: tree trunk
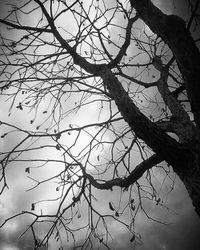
(172, 30)
(191, 175)
(184, 158)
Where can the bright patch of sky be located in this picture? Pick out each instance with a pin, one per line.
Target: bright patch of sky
(9, 247)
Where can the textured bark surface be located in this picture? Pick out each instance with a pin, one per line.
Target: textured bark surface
(191, 177)
(172, 30)
(159, 141)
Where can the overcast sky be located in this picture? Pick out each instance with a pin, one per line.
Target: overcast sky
(182, 231)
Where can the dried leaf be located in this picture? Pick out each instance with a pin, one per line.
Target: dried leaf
(132, 207)
(111, 206)
(116, 214)
(132, 239)
(32, 207)
(27, 170)
(19, 106)
(2, 136)
(58, 136)
(158, 201)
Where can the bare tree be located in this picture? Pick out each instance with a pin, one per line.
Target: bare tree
(111, 92)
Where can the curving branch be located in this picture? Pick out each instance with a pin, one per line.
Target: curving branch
(134, 176)
(144, 84)
(79, 60)
(24, 27)
(126, 44)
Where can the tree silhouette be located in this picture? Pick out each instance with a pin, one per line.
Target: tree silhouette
(109, 95)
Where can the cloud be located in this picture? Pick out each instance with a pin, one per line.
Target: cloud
(9, 247)
(181, 235)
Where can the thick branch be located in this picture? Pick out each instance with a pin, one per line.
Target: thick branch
(144, 84)
(166, 126)
(134, 176)
(137, 173)
(172, 30)
(179, 90)
(28, 28)
(181, 120)
(159, 141)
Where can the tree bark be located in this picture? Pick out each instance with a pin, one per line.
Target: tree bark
(172, 30)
